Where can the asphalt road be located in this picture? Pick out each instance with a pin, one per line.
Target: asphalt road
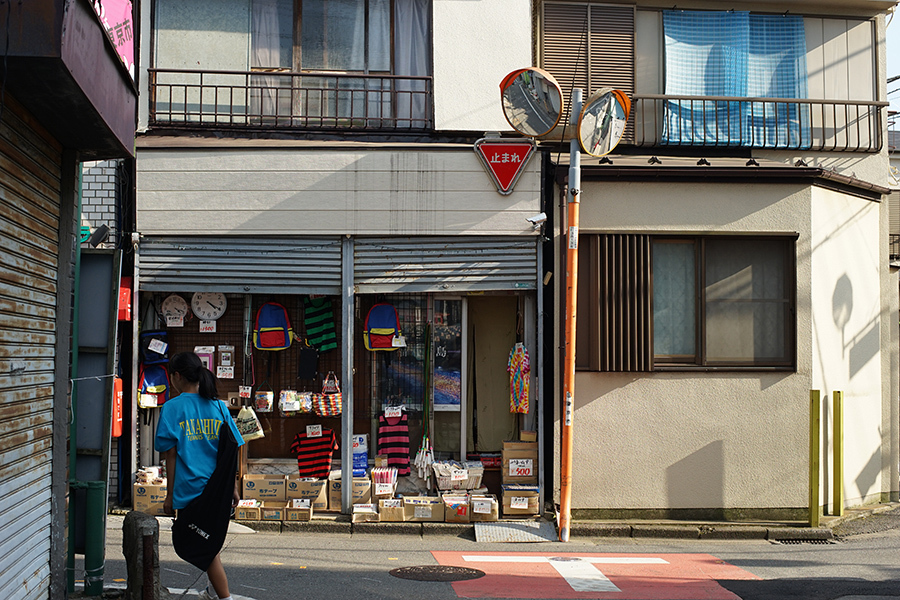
(863, 563)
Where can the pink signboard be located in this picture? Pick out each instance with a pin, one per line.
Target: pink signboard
(116, 18)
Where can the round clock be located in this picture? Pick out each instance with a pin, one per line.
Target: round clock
(209, 306)
(174, 306)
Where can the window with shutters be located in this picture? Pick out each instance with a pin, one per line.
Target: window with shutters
(588, 46)
(649, 302)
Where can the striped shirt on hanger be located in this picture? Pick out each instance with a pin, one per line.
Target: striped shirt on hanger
(314, 453)
(393, 441)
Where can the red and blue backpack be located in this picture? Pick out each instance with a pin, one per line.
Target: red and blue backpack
(382, 326)
(273, 328)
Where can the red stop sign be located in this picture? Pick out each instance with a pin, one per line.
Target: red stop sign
(504, 160)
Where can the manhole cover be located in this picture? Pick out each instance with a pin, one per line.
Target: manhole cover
(437, 573)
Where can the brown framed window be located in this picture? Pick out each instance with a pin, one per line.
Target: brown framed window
(649, 302)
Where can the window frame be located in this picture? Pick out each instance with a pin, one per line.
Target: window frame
(599, 312)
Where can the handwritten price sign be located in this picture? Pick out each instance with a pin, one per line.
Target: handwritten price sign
(313, 431)
(518, 502)
(521, 467)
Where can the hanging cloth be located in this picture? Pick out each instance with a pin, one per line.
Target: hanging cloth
(314, 454)
(518, 367)
(393, 441)
(318, 318)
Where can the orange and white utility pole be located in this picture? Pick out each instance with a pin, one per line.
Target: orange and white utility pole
(572, 196)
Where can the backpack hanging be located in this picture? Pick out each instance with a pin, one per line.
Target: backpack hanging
(381, 328)
(154, 386)
(154, 347)
(273, 328)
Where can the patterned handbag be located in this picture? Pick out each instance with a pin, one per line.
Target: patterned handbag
(328, 403)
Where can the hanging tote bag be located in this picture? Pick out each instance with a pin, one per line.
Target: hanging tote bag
(198, 532)
(329, 402)
(248, 424)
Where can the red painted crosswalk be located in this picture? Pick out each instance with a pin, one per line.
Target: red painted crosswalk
(586, 575)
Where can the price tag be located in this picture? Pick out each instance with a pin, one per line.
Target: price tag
(422, 512)
(517, 502)
(398, 342)
(393, 412)
(245, 391)
(384, 489)
(521, 467)
(158, 346)
(393, 503)
(225, 372)
(174, 321)
(300, 503)
(313, 431)
(459, 475)
(207, 326)
(481, 507)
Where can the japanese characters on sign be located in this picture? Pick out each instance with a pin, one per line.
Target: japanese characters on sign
(504, 160)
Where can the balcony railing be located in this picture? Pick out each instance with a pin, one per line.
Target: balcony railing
(289, 100)
(776, 123)
(894, 241)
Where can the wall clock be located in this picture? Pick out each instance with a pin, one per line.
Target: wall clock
(174, 306)
(209, 306)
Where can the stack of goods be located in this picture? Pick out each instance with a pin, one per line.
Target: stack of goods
(519, 476)
(384, 481)
(452, 475)
(149, 491)
(360, 455)
(520, 499)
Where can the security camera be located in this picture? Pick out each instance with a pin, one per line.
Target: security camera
(537, 220)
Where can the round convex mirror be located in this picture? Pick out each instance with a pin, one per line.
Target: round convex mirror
(532, 101)
(602, 121)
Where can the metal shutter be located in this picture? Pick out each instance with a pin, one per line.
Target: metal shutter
(445, 264)
(243, 265)
(30, 161)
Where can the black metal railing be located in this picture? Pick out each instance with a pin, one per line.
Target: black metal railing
(894, 241)
(776, 123)
(289, 100)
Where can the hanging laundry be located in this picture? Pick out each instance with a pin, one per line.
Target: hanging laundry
(314, 453)
(518, 367)
(319, 320)
(393, 441)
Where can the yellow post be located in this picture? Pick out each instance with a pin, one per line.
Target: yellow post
(814, 424)
(838, 453)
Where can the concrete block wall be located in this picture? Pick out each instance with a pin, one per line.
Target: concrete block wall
(99, 190)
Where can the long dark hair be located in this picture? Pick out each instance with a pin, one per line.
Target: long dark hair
(189, 366)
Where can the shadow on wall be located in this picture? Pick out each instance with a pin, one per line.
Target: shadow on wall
(698, 480)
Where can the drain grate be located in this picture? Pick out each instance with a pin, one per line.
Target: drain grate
(437, 573)
(795, 542)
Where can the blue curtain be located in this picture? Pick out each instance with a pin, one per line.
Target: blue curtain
(734, 54)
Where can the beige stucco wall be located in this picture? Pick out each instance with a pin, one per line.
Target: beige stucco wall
(234, 190)
(476, 44)
(732, 439)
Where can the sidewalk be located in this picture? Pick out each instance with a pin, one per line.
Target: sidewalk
(830, 527)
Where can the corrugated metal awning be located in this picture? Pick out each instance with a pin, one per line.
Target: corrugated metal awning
(245, 265)
(445, 264)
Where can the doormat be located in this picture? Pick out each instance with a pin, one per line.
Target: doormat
(515, 531)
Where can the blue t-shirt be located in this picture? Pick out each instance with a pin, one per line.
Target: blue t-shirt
(190, 423)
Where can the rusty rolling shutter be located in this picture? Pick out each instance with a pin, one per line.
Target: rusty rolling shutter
(30, 165)
(598, 39)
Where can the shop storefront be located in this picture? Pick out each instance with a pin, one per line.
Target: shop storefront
(464, 314)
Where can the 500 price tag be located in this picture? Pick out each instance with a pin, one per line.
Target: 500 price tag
(521, 467)
(313, 431)
(392, 412)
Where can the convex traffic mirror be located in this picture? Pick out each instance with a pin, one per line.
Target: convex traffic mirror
(532, 101)
(602, 121)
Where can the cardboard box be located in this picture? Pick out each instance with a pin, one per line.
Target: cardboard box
(246, 513)
(528, 436)
(272, 511)
(391, 510)
(292, 513)
(519, 462)
(315, 491)
(264, 487)
(149, 498)
(360, 494)
(423, 508)
(365, 513)
(484, 508)
(520, 500)
(456, 508)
